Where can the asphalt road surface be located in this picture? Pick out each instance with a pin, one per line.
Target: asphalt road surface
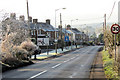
(75, 64)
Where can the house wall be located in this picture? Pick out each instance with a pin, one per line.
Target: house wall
(50, 34)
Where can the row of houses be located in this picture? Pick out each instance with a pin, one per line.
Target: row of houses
(46, 33)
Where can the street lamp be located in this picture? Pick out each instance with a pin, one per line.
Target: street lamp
(55, 30)
(71, 30)
(72, 21)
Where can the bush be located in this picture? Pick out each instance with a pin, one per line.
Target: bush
(85, 43)
(19, 53)
(28, 46)
(109, 65)
(11, 61)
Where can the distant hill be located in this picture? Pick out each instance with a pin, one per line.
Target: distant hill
(90, 29)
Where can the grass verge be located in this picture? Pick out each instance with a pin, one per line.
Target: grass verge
(110, 66)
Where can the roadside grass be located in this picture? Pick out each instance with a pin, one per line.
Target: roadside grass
(110, 67)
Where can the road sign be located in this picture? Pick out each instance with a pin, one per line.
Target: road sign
(43, 41)
(115, 28)
(66, 39)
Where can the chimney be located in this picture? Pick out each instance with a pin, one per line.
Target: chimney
(48, 21)
(13, 16)
(30, 19)
(35, 20)
(22, 18)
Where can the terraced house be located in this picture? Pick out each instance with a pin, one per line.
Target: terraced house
(78, 37)
(43, 33)
(43, 30)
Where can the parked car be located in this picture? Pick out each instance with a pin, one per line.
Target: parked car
(37, 51)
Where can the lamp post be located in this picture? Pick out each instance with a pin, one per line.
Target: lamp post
(36, 33)
(55, 30)
(72, 21)
(71, 30)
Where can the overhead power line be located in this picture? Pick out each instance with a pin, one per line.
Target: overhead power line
(112, 10)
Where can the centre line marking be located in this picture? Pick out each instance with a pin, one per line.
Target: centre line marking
(74, 57)
(37, 75)
(56, 65)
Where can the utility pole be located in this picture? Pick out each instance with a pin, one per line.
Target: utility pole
(119, 54)
(62, 44)
(35, 21)
(55, 33)
(29, 31)
(27, 10)
(119, 40)
(105, 30)
(105, 21)
(60, 26)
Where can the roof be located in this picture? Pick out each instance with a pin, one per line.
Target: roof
(24, 24)
(76, 31)
(17, 23)
(64, 31)
(44, 26)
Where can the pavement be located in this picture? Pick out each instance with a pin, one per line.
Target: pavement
(51, 53)
(75, 65)
(97, 70)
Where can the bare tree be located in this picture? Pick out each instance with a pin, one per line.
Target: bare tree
(14, 33)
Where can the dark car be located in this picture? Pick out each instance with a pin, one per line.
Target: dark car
(37, 51)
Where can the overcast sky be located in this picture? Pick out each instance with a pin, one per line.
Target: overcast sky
(87, 11)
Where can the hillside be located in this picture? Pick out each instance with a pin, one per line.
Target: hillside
(90, 29)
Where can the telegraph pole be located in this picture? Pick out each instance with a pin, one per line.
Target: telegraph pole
(27, 10)
(119, 40)
(105, 21)
(29, 31)
(105, 30)
(61, 26)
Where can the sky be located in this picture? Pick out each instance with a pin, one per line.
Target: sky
(86, 11)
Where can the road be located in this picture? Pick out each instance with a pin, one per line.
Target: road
(75, 64)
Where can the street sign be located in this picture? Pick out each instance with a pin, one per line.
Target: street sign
(115, 28)
(43, 41)
(66, 39)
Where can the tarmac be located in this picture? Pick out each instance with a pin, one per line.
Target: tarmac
(51, 53)
(96, 72)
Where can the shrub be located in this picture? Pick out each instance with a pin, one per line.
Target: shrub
(19, 53)
(11, 61)
(28, 46)
(109, 65)
(6, 45)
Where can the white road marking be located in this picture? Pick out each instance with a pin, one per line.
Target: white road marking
(67, 60)
(37, 75)
(64, 61)
(72, 57)
(56, 65)
(72, 75)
